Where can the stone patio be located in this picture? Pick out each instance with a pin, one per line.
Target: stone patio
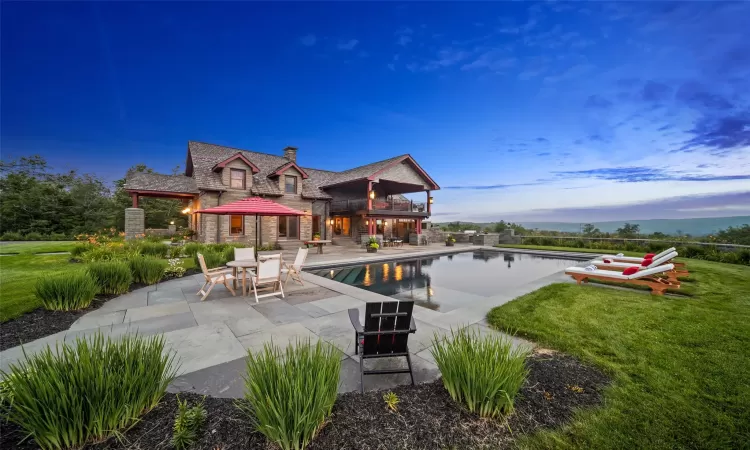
(211, 338)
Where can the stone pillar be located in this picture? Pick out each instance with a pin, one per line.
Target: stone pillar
(135, 223)
(172, 229)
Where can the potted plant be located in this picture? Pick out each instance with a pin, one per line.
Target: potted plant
(372, 245)
(450, 240)
(316, 237)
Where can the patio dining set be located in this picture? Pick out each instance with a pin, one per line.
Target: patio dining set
(263, 271)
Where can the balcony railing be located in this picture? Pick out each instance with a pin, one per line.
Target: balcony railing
(377, 204)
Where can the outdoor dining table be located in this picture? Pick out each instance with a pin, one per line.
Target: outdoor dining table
(243, 264)
(319, 243)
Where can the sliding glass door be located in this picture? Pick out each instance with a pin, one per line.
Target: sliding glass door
(288, 227)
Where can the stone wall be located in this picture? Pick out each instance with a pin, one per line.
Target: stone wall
(509, 237)
(488, 239)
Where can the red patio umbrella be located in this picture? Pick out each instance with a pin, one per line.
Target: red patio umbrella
(252, 206)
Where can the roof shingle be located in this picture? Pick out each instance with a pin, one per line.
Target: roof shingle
(144, 181)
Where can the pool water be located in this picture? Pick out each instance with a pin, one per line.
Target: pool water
(446, 282)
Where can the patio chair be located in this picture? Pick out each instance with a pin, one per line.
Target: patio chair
(648, 263)
(214, 276)
(268, 274)
(244, 254)
(637, 259)
(384, 335)
(295, 270)
(630, 275)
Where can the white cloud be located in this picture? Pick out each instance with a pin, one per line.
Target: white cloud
(493, 60)
(309, 40)
(347, 45)
(404, 36)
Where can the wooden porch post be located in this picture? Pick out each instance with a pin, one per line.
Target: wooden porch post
(419, 226)
(135, 199)
(369, 200)
(429, 206)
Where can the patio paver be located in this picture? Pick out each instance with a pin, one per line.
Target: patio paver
(204, 346)
(280, 312)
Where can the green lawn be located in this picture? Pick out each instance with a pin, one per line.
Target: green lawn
(18, 273)
(680, 365)
(37, 247)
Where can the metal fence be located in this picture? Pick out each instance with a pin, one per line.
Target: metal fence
(644, 242)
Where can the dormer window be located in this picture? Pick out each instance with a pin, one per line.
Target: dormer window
(237, 178)
(290, 183)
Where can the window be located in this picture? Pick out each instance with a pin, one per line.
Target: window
(236, 178)
(236, 225)
(290, 183)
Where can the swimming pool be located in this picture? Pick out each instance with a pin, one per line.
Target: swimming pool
(445, 282)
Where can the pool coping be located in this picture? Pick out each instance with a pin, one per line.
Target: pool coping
(417, 255)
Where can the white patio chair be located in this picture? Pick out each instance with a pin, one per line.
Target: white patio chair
(268, 273)
(244, 254)
(213, 277)
(295, 270)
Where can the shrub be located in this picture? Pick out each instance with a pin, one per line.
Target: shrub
(147, 269)
(187, 424)
(80, 249)
(391, 401)
(485, 374)
(657, 247)
(191, 248)
(175, 251)
(531, 241)
(213, 259)
(175, 268)
(57, 237)
(158, 249)
(87, 391)
(34, 236)
(289, 395)
(548, 242)
(66, 292)
(100, 253)
(578, 243)
(693, 251)
(112, 277)
(730, 257)
(11, 236)
(155, 238)
(743, 256)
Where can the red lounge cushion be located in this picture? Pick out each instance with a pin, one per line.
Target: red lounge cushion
(607, 261)
(647, 262)
(648, 255)
(630, 271)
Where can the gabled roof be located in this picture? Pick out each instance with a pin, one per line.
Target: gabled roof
(218, 167)
(286, 166)
(372, 170)
(157, 182)
(203, 158)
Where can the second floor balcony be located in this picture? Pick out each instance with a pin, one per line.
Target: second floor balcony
(388, 206)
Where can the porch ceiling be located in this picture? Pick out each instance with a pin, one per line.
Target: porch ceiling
(390, 187)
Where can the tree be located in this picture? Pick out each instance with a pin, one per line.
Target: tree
(501, 226)
(590, 230)
(629, 230)
(32, 199)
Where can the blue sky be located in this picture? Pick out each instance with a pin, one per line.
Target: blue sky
(519, 110)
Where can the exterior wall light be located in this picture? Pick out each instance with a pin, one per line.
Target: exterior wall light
(186, 210)
(330, 222)
(171, 222)
(372, 195)
(432, 200)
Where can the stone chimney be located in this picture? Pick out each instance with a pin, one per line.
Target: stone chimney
(290, 153)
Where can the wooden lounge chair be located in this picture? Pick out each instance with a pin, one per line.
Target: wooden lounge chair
(672, 275)
(639, 259)
(268, 273)
(244, 254)
(214, 276)
(385, 334)
(642, 277)
(295, 270)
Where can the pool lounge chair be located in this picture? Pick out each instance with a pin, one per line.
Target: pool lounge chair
(641, 278)
(636, 259)
(607, 264)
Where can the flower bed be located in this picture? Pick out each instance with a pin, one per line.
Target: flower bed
(426, 416)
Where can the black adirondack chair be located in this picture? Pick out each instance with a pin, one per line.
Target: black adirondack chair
(385, 334)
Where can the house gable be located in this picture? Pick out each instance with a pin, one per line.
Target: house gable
(236, 157)
(405, 171)
(287, 166)
(240, 164)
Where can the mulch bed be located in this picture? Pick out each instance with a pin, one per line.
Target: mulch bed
(427, 417)
(42, 322)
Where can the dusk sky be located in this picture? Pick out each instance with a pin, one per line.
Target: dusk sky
(520, 111)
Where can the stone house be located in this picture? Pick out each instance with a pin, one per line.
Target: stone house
(350, 205)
